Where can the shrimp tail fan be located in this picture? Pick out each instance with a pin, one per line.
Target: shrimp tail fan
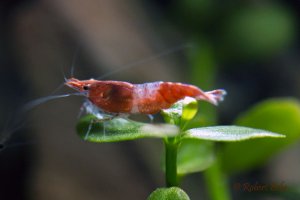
(213, 97)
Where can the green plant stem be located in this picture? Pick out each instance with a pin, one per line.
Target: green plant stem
(216, 183)
(171, 147)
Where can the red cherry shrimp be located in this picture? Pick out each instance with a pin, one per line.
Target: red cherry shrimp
(118, 97)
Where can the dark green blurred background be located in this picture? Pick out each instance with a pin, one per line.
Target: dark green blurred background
(250, 48)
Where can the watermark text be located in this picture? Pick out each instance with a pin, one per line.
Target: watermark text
(260, 187)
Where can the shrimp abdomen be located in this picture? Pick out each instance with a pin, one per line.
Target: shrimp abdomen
(172, 92)
(150, 98)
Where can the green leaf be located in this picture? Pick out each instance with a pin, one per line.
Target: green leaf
(172, 193)
(181, 112)
(189, 110)
(120, 129)
(194, 156)
(278, 115)
(228, 133)
(173, 114)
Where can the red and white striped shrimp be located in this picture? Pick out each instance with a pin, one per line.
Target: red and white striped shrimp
(118, 97)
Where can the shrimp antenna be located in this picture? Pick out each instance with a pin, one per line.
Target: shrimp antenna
(62, 84)
(147, 60)
(63, 73)
(41, 100)
(74, 59)
(71, 72)
(18, 123)
(8, 132)
(58, 88)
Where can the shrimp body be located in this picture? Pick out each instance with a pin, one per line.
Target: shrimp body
(147, 98)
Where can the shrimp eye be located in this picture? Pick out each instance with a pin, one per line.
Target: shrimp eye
(85, 87)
